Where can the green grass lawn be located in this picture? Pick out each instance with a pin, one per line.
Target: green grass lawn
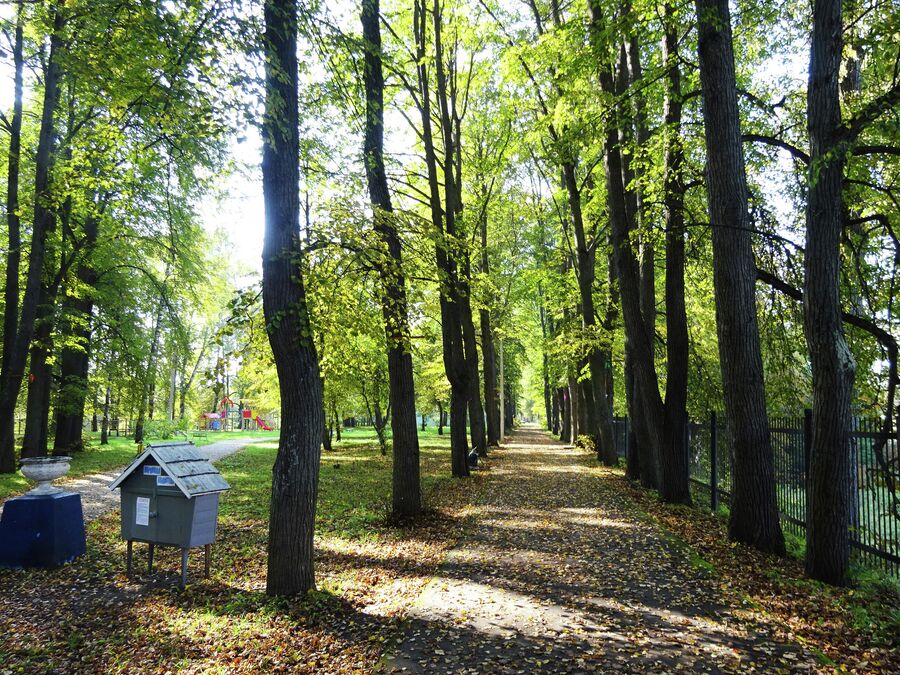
(118, 452)
(87, 617)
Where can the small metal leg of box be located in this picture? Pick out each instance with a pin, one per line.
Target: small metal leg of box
(206, 550)
(184, 566)
(128, 555)
(150, 560)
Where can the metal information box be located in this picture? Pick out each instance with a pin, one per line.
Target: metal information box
(170, 497)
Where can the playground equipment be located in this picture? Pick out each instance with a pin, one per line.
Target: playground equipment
(231, 417)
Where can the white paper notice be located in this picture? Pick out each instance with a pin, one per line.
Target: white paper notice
(142, 511)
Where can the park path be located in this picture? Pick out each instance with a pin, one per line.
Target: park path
(97, 498)
(560, 573)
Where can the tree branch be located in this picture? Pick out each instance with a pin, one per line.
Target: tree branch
(778, 143)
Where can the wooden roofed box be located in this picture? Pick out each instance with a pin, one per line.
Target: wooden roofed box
(170, 497)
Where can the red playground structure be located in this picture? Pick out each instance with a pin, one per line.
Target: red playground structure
(231, 417)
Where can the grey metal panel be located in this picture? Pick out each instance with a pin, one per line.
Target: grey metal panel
(183, 452)
(206, 512)
(190, 468)
(198, 485)
(176, 515)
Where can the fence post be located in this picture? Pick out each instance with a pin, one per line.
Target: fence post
(807, 452)
(713, 462)
(807, 442)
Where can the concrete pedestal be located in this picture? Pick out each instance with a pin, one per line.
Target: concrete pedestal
(41, 531)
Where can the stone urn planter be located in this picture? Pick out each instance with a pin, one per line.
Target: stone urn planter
(45, 470)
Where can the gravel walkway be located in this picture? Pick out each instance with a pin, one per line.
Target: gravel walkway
(561, 574)
(97, 498)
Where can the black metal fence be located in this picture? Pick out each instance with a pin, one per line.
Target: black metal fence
(875, 504)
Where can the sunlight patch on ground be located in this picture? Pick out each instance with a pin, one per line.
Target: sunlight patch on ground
(592, 518)
(501, 612)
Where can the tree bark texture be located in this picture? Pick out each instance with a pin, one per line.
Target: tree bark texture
(14, 253)
(75, 359)
(149, 386)
(833, 366)
(40, 377)
(451, 322)
(295, 475)
(674, 453)
(11, 382)
(565, 427)
(489, 354)
(406, 484)
(477, 428)
(104, 428)
(637, 338)
(598, 421)
(459, 273)
(754, 511)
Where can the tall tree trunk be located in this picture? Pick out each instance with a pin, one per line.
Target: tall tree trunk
(545, 362)
(548, 397)
(674, 455)
(440, 418)
(585, 403)
(657, 467)
(295, 475)
(475, 407)
(599, 423)
(187, 382)
(565, 433)
(833, 366)
(491, 394)
(554, 412)
(637, 337)
(754, 511)
(575, 416)
(153, 368)
(173, 383)
(14, 253)
(406, 486)
(148, 392)
(451, 323)
(326, 428)
(11, 381)
(460, 274)
(633, 457)
(104, 429)
(94, 425)
(337, 421)
(40, 376)
(640, 441)
(489, 354)
(75, 359)
(635, 130)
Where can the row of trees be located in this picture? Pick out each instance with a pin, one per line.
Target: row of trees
(587, 140)
(659, 176)
(547, 184)
(116, 127)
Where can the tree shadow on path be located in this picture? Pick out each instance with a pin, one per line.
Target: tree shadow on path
(561, 574)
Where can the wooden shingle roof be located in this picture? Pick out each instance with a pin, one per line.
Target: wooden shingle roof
(191, 472)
